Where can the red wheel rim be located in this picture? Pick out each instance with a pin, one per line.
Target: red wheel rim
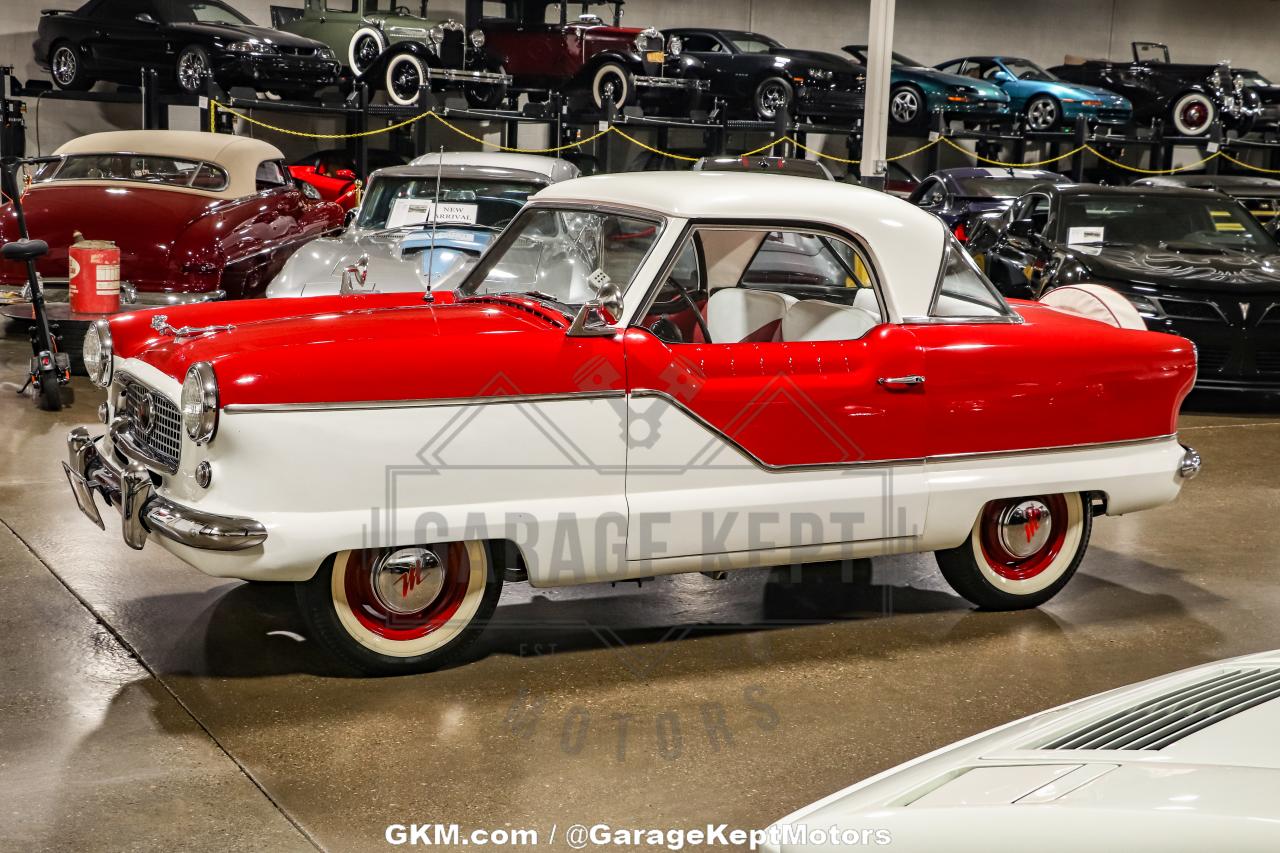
(1194, 115)
(372, 612)
(1013, 537)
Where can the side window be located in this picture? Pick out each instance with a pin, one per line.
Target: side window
(342, 5)
(1038, 210)
(963, 291)
(756, 286)
(270, 175)
(932, 194)
(702, 43)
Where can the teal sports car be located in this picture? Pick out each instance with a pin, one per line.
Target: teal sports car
(917, 92)
(1044, 101)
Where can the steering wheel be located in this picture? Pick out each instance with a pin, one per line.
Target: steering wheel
(693, 306)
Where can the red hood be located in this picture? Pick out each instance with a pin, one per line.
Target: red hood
(380, 347)
(145, 223)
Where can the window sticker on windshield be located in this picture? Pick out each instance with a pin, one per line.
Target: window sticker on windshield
(409, 211)
(1085, 234)
(1227, 226)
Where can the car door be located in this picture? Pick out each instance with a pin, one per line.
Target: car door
(1017, 259)
(126, 43)
(717, 59)
(743, 441)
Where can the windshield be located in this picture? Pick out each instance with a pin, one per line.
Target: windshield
(565, 255)
(753, 44)
(147, 169)
(996, 187)
(1025, 69)
(859, 52)
(401, 202)
(199, 11)
(1173, 222)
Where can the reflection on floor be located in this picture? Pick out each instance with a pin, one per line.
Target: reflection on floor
(141, 701)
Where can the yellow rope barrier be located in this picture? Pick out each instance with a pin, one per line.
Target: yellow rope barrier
(214, 106)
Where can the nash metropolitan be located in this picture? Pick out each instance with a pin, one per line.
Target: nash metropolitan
(391, 244)
(631, 397)
(197, 216)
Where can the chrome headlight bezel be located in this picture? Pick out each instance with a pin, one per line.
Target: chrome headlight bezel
(675, 46)
(435, 35)
(199, 403)
(99, 357)
(477, 39)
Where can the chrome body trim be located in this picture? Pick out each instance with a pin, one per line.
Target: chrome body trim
(123, 439)
(142, 511)
(160, 323)
(258, 408)
(671, 83)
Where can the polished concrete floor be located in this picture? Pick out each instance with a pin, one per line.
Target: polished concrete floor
(144, 706)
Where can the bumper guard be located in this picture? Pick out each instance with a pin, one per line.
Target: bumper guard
(142, 511)
(643, 82)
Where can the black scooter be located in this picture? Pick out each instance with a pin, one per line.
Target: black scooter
(50, 369)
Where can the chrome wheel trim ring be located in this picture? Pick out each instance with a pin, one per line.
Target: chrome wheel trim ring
(905, 106)
(408, 580)
(64, 65)
(1024, 528)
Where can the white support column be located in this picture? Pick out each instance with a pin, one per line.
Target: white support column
(875, 122)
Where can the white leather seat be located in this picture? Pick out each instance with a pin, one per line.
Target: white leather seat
(815, 320)
(737, 314)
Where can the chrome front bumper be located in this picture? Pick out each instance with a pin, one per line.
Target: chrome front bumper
(461, 75)
(643, 82)
(142, 511)
(1189, 465)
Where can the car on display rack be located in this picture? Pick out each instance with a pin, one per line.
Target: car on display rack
(197, 216)
(335, 175)
(592, 61)
(965, 195)
(1173, 763)
(769, 165)
(607, 359)
(757, 76)
(1044, 101)
(918, 92)
(394, 47)
(1260, 195)
(1189, 97)
(420, 227)
(1192, 262)
(188, 40)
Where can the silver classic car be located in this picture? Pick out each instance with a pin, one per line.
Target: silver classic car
(422, 225)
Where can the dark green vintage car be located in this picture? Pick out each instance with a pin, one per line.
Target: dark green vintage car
(386, 45)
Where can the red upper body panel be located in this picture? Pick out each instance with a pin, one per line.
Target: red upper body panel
(1051, 381)
(552, 51)
(170, 241)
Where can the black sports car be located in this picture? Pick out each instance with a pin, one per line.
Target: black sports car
(188, 39)
(755, 74)
(1260, 195)
(1188, 96)
(1193, 262)
(964, 195)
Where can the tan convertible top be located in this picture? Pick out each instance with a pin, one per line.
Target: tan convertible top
(238, 155)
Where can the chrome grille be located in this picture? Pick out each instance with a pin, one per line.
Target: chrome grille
(1172, 716)
(161, 427)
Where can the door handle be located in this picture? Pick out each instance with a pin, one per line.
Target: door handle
(900, 381)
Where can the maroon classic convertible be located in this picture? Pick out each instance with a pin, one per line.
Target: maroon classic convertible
(197, 216)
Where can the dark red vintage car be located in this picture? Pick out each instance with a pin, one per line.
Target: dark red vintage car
(542, 48)
(196, 215)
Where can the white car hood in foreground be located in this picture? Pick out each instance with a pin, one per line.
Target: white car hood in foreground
(1189, 761)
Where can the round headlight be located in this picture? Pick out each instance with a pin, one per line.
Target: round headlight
(98, 361)
(477, 39)
(435, 35)
(200, 403)
(675, 45)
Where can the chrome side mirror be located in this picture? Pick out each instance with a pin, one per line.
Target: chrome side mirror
(596, 318)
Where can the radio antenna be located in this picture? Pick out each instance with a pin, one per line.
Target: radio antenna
(435, 225)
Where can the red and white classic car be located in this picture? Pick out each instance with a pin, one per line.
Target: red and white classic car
(197, 216)
(646, 374)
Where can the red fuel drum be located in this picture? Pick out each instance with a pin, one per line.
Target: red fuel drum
(95, 276)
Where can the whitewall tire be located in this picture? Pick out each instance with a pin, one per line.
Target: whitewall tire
(1192, 114)
(402, 610)
(611, 82)
(406, 75)
(366, 44)
(1021, 551)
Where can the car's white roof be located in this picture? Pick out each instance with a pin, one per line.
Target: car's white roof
(905, 243)
(553, 168)
(238, 155)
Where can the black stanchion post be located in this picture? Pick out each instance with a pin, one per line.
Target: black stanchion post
(781, 123)
(1215, 145)
(420, 127)
(602, 144)
(360, 149)
(1079, 138)
(722, 132)
(1161, 152)
(933, 157)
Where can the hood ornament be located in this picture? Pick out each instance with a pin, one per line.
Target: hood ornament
(160, 323)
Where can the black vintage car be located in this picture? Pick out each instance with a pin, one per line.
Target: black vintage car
(187, 40)
(756, 75)
(1193, 262)
(1187, 96)
(1260, 195)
